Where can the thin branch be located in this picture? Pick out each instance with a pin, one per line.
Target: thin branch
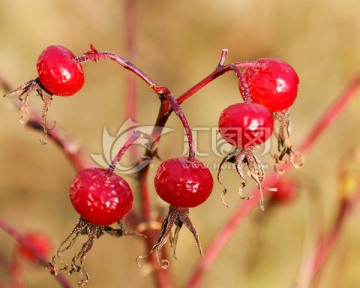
(349, 189)
(130, 52)
(135, 136)
(42, 260)
(331, 114)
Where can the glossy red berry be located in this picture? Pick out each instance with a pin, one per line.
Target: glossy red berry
(58, 71)
(101, 197)
(246, 125)
(40, 241)
(273, 84)
(183, 183)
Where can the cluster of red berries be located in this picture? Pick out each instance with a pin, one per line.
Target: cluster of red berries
(268, 88)
(102, 198)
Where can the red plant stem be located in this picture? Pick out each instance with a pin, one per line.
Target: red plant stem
(130, 51)
(135, 135)
(16, 275)
(162, 277)
(67, 145)
(219, 70)
(162, 91)
(316, 261)
(244, 208)
(14, 270)
(176, 108)
(331, 114)
(243, 86)
(42, 260)
(121, 61)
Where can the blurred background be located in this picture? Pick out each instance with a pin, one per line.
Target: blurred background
(177, 44)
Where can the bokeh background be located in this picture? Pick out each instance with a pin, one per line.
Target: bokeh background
(178, 43)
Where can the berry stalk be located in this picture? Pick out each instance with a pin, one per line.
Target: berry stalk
(93, 55)
(219, 70)
(135, 136)
(176, 108)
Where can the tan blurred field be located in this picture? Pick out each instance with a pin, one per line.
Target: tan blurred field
(179, 43)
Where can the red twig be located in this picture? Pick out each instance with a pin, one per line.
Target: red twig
(349, 190)
(14, 270)
(130, 51)
(135, 136)
(227, 230)
(331, 114)
(219, 70)
(42, 260)
(316, 261)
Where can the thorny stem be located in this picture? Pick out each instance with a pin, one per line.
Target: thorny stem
(42, 260)
(244, 208)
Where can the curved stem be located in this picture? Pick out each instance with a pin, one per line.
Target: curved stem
(243, 86)
(176, 108)
(93, 56)
(136, 135)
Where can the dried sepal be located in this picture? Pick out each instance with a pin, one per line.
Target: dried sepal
(92, 231)
(255, 170)
(176, 217)
(285, 150)
(23, 92)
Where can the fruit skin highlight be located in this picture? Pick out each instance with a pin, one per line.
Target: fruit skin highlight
(273, 84)
(246, 125)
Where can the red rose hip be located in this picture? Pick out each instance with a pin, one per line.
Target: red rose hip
(100, 196)
(246, 125)
(274, 84)
(183, 183)
(58, 71)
